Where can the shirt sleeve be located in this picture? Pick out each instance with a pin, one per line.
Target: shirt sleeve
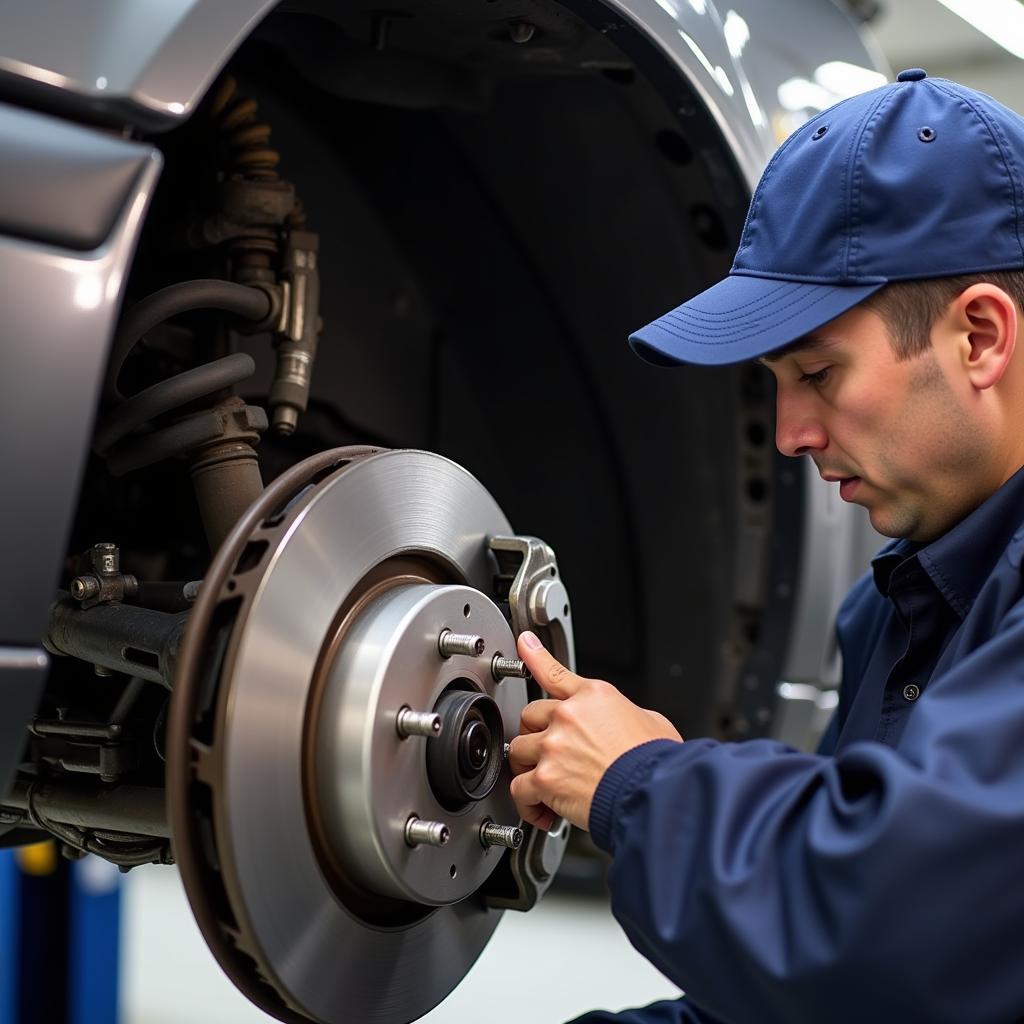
(879, 884)
(668, 1011)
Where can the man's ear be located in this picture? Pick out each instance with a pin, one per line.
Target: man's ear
(984, 318)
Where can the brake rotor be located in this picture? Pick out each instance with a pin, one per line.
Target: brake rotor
(294, 798)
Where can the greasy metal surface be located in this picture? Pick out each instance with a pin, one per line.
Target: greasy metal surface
(59, 310)
(125, 638)
(136, 810)
(371, 780)
(22, 674)
(60, 183)
(120, 59)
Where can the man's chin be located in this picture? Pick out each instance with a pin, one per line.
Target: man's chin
(890, 522)
(903, 524)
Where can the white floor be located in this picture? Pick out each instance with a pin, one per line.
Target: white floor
(564, 957)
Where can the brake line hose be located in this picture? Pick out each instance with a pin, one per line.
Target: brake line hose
(243, 300)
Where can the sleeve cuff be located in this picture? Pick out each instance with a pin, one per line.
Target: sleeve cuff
(619, 777)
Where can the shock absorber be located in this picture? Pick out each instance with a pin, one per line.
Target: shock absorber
(257, 224)
(262, 221)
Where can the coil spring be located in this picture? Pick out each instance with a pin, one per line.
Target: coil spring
(249, 153)
(126, 435)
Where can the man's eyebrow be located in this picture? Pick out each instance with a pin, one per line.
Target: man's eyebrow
(800, 345)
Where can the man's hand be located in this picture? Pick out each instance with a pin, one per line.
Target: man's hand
(569, 741)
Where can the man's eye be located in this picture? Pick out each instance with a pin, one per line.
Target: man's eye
(817, 378)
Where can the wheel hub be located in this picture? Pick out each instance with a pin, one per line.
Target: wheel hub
(371, 781)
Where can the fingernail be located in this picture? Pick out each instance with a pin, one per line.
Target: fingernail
(531, 640)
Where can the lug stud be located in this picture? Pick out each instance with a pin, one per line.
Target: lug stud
(449, 643)
(502, 667)
(426, 833)
(417, 723)
(509, 836)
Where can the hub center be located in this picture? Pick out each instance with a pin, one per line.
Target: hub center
(410, 742)
(473, 748)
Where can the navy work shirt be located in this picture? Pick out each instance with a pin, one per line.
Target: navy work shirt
(881, 879)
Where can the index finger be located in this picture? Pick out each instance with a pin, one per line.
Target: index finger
(551, 675)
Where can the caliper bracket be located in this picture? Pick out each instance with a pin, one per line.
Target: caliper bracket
(529, 581)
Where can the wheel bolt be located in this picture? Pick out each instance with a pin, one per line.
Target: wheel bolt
(449, 643)
(509, 836)
(417, 723)
(426, 833)
(502, 667)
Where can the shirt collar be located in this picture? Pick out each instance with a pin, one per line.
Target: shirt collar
(960, 561)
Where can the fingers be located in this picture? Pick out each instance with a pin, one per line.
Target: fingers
(537, 715)
(524, 752)
(552, 676)
(528, 803)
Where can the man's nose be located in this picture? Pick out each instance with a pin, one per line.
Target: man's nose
(797, 430)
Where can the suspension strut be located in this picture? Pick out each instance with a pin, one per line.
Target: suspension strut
(257, 225)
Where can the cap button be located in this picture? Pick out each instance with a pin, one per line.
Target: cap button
(912, 75)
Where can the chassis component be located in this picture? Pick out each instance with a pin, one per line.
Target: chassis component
(315, 629)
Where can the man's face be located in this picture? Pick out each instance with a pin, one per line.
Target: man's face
(896, 437)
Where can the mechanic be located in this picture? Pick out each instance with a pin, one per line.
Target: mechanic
(880, 278)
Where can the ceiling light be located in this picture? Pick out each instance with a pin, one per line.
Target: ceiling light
(844, 79)
(1001, 20)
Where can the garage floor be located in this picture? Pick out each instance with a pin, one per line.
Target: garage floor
(545, 967)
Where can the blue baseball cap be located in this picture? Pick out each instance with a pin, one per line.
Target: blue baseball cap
(917, 179)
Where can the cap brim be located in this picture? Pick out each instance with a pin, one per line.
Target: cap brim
(743, 317)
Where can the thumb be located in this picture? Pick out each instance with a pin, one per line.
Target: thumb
(552, 676)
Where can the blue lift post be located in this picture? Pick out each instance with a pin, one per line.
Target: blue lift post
(10, 946)
(59, 938)
(95, 930)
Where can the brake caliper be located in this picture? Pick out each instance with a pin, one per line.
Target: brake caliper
(529, 581)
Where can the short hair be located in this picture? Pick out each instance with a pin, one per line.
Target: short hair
(910, 308)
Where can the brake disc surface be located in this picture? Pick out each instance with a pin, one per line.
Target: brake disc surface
(289, 786)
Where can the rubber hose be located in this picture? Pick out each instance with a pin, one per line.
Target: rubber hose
(209, 293)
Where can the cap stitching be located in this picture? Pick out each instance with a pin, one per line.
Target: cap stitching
(853, 204)
(777, 323)
(734, 309)
(995, 132)
(829, 279)
(683, 315)
(764, 306)
(760, 302)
